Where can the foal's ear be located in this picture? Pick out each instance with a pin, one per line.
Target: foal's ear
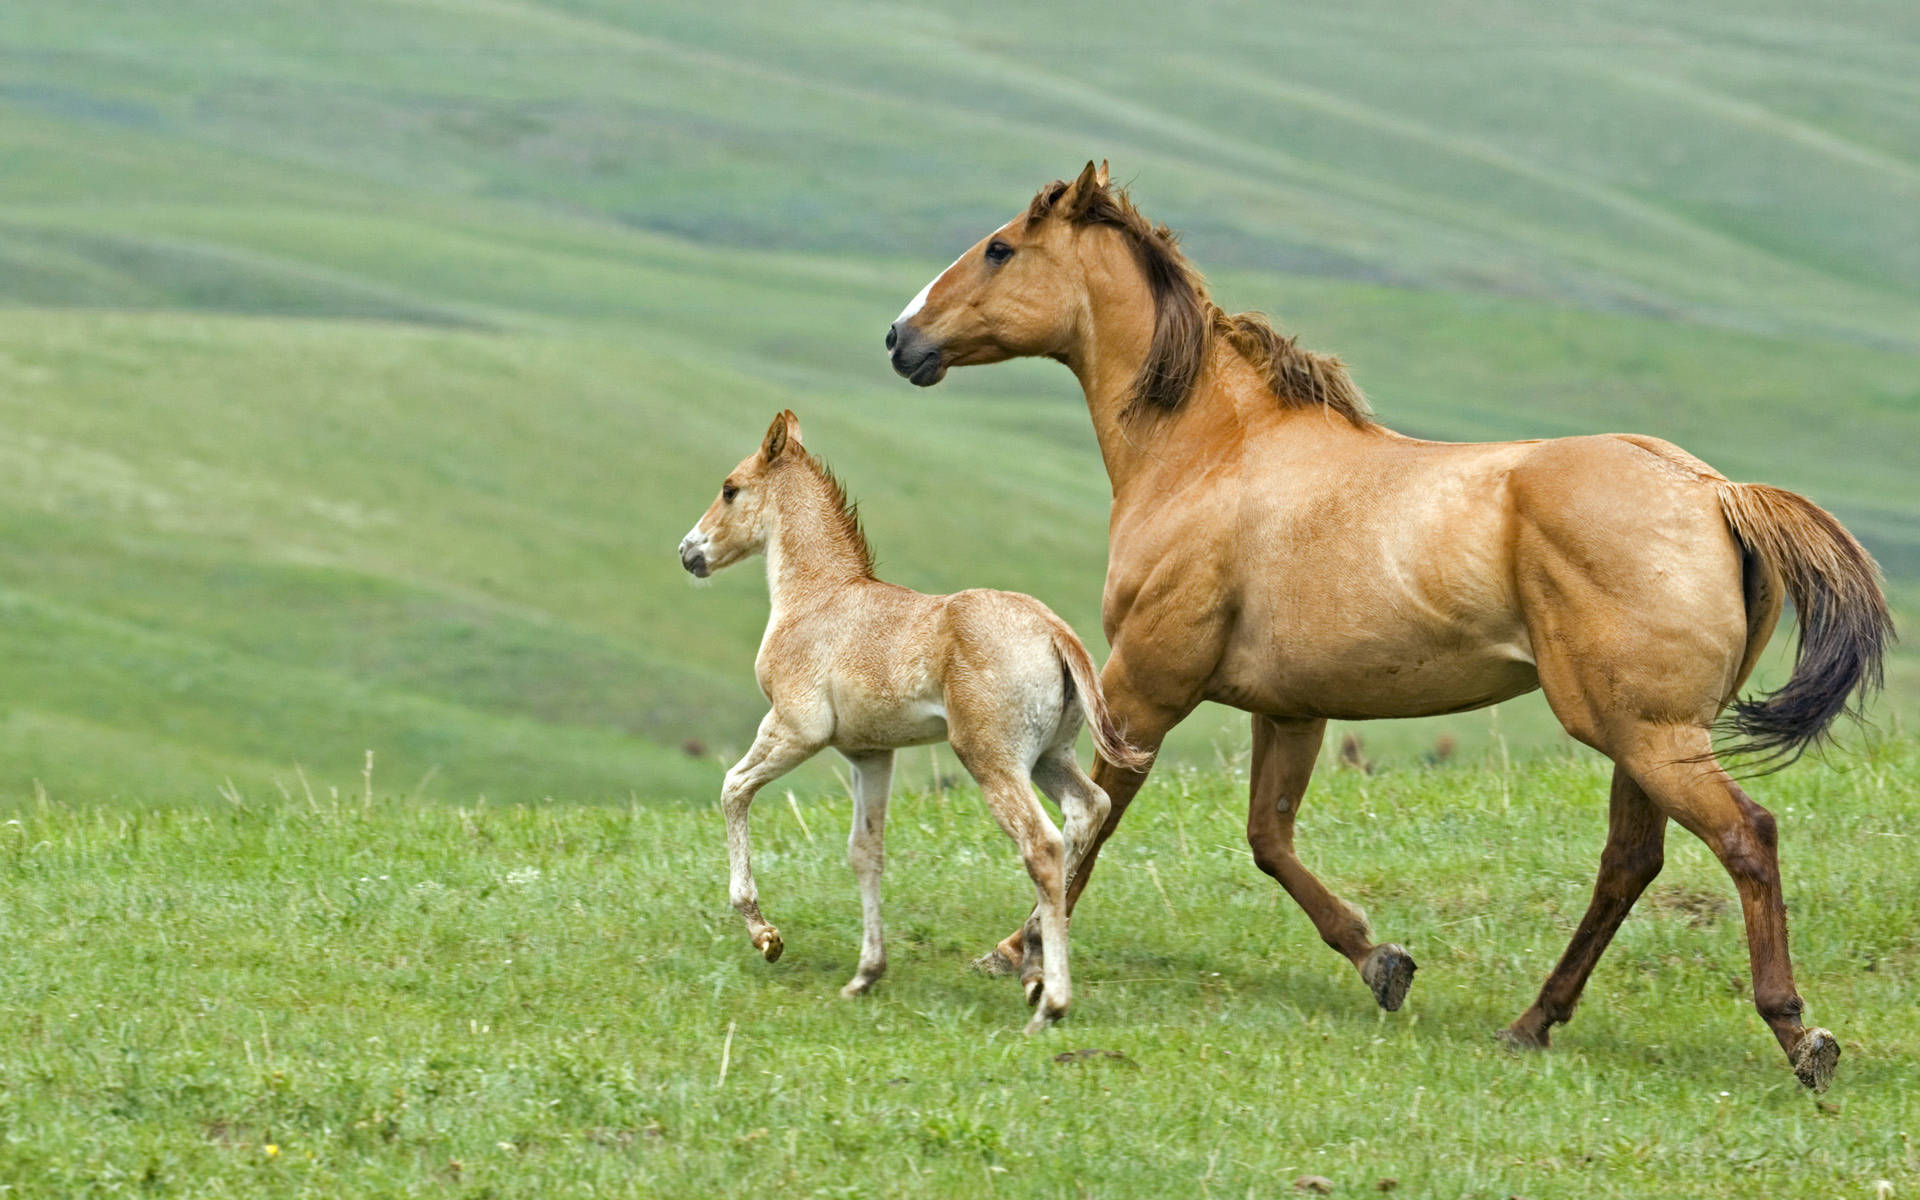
(784, 432)
(1073, 202)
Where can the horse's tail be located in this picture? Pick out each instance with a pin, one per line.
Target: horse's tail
(1107, 738)
(1845, 627)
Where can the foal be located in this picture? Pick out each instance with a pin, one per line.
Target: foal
(867, 667)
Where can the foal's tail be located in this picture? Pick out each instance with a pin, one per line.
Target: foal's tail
(1845, 627)
(1107, 738)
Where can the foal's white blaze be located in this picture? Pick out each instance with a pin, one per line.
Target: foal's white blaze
(914, 305)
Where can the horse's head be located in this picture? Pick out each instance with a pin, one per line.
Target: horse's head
(1019, 291)
(740, 519)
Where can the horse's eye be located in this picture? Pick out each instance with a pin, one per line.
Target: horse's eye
(728, 492)
(998, 252)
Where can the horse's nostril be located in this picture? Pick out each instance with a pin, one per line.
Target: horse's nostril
(893, 336)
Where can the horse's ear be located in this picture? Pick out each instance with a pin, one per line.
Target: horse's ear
(1073, 202)
(1100, 176)
(776, 441)
(793, 428)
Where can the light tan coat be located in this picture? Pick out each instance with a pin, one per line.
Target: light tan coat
(1272, 547)
(865, 667)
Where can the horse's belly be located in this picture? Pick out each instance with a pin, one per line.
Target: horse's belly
(914, 723)
(1365, 682)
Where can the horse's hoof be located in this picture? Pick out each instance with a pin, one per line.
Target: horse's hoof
(857, 987)
(1520, 1042)
(993, 962)
(1042, 1019)
(1814, 1057)
(1389, 970)
(770, 945)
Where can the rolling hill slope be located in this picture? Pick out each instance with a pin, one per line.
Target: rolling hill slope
(358, 374)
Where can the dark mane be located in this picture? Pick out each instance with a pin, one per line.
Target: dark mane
(1186, 320)
(846, 513)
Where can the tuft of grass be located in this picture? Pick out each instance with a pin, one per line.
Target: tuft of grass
(355, 994)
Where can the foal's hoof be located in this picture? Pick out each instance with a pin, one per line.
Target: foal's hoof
(1388, 970)
(769, 945)
(1814, 1057)
(1043, 1018)
(995, 962)
(857, 987)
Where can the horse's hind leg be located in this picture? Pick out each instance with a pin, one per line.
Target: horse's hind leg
(1636, 831)
(1676, 767)
(866, 851)
(1283, 758)
(1084, 806)
(1146, 704)
(1018, 811)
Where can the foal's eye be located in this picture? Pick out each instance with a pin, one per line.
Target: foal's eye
(728, 492)
(998, 252)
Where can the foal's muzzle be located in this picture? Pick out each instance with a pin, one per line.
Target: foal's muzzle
(914, 357)
(693, 556)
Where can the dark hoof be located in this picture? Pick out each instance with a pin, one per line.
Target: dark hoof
(770, 945)
(1389, 972)
(1814, 1057)
(1518, 1042)
(995, 963)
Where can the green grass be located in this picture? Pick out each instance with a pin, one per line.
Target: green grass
(358, 373)
(509, 1000)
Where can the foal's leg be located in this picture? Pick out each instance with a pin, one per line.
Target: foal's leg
(1283, 757)
(866, 850)
(776, 750)
(1676, 767)
(1636, 831)
(1004, 786)
(1145, 706)
(1085, 808)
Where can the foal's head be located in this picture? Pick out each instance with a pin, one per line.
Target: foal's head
(779, 482)
(740, 519)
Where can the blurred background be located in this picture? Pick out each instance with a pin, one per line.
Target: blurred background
(362, 364)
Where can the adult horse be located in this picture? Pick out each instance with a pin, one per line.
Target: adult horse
(1273, 548)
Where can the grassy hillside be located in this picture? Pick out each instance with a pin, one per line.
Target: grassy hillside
(368, 997)
(358, 373)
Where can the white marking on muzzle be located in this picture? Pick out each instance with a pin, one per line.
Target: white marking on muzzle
(914, 305)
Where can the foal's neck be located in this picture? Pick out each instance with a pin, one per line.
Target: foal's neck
(814, 552)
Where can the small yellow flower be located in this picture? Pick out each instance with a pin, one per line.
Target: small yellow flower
(272, 1150)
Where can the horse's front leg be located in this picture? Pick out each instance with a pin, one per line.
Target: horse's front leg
(1284, 753)
(866, 851)
(776, 750)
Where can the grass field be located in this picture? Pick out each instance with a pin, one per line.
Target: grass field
(358, 374)
(359, 995)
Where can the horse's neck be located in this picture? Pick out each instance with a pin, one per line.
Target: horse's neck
(1230, 405)
(809, 563)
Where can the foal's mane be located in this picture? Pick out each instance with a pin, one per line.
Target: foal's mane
(844, 514)
(1186, 320)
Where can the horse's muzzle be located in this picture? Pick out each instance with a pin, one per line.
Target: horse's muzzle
(914, 357)
(693, 556)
